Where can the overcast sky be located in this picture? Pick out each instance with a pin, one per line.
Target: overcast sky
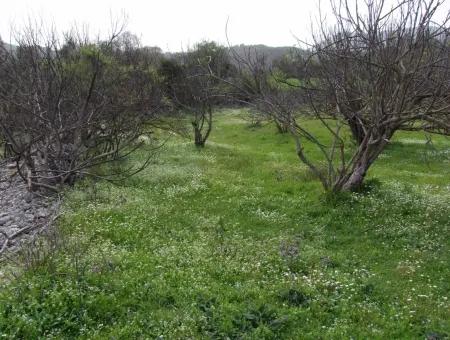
(175, 24)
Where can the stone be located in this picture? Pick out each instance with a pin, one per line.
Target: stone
(4, 220)
(28, 197)
(42, 212)
(29, 217)
(14, 228)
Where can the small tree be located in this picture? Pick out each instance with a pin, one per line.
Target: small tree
(193, 89)
(268, 91)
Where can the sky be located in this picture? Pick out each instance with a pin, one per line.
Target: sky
(174, 25)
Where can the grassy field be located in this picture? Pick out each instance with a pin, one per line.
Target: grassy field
(239, 241)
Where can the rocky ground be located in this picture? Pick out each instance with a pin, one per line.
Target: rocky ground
(23, 215)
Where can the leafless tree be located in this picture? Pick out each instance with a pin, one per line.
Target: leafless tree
(266, 91)
(193, 89)
(378, 70)
(70, 104)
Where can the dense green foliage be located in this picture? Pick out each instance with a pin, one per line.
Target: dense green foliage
(238, 241)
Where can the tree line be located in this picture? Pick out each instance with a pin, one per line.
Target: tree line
(70, 103)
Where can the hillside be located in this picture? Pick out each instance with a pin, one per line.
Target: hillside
(271, 53)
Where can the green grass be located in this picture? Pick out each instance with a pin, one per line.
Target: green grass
(238, 241)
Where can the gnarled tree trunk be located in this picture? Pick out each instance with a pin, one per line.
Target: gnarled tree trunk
(202, 125)
(368, 151)
(282, 127)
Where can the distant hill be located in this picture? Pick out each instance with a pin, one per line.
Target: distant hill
(271, 53)
(243, 51)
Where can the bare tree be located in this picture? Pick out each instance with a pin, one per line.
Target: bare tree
(377, 71)
(68, 105)
(193, 89)
(380, 69)
(267, 91)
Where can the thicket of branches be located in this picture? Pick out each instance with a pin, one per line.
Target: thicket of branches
(381, 69)
(378, 70)
(188, 82)
(69, 104)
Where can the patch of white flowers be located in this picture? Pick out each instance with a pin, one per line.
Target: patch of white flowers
(195, 184)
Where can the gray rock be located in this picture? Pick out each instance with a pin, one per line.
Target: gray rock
(13, 228)
(28, 197)
(4, 220)
(29, 217)
(42, 212)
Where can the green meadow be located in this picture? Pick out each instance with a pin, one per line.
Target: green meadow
(239, 241)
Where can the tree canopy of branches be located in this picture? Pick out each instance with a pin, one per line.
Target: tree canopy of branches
(67, 105)
(268, 91)
(380, 69)
(70, 104)
(188, 82)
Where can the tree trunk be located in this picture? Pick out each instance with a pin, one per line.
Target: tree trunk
(281, 126)
(199, 127)
(30, 172)
(8, 150)
(356, 177)
(198, 138)
(369, 150)
(357, 130)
